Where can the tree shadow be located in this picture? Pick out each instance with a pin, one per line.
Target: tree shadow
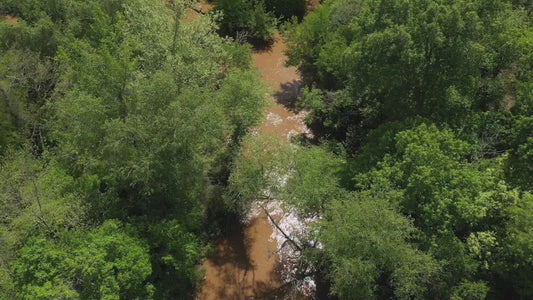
(272, 291)
(288, 95)
(231, 260)
(235, 271)
(232, 246)
(260, 45)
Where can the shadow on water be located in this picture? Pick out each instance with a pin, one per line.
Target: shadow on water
(260, 45)
(288, 95)
(240, 267)
(232, 245)
(283, 291)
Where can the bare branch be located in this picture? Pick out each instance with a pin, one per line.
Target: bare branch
(295, 244)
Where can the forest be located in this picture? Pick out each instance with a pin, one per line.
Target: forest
(135, 146)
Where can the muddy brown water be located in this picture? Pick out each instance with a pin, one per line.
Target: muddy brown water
(284, 83)
(245, 264)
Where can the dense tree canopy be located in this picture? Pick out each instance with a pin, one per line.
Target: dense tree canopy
(257, 19)
(119, 120)
(103, 264)
(428, 104)
(367, 242)
(286, 9)
(125, 138)
(246, 19)
(390, 61)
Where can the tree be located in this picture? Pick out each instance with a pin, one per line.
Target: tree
(520, 161)
(459, 206)
(105, 263)
(384, 61)
(313, 181)
(248, 18)
(286, 9)
(26, 83)
(260, 171)
(268, 169)
(141, 118)
(179, 253)
(36, 201)
(368, 245)
(514, 265)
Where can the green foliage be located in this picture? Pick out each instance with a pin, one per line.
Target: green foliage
(304, 39)
(8, 132)
(367, 241)
(268, 169)
(36, 201)
(520, 162)
(122, 129)
(523, 4)
(176, 263)
(514, 264)
(133, 115)
(25, 84)
(459, 206)
(439, 60)
(471, 290)
(313, 181)
(260, 169)
(40, 37)
(378, 72)
(147, 139)
(240, 98)
(424, 160)
(105, 263)
(246, 18)
(286, 9)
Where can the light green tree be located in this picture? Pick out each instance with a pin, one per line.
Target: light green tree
(367, 242)
(105, 263)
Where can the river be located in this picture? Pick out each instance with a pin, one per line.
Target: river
(245, 263)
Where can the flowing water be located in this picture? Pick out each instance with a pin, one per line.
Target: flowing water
(285, 84)
(245, 263)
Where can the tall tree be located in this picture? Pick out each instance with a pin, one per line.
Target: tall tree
(387, 61)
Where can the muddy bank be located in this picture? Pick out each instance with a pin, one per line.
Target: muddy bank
(9, 19)
(311, 5)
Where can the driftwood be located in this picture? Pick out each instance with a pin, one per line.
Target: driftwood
(295, 244)
(197, 10)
